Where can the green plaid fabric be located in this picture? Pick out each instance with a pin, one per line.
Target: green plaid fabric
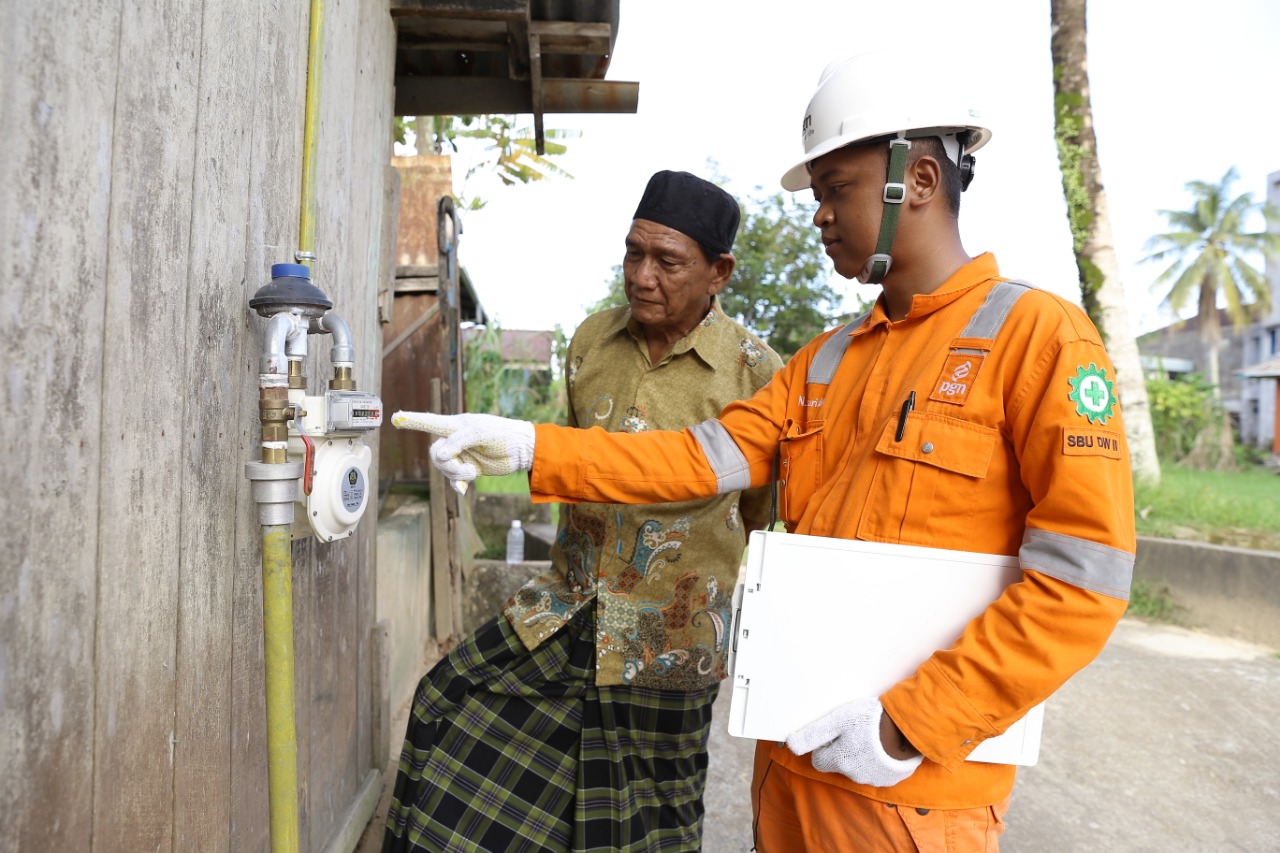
(511, 750)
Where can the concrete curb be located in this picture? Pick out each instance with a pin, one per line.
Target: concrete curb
(1228, 591)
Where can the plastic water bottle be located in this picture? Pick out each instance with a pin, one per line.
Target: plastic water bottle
(515, 542)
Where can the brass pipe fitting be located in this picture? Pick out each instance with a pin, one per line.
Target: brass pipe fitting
(296, 379)
(342, 380)
(274, 410)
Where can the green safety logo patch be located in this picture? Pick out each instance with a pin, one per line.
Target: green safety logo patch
(1093, 393)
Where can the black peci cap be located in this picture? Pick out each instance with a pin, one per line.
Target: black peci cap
(696, 208)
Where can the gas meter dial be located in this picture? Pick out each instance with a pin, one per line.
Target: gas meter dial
(351, 410)
(339, 488)
(338, 412)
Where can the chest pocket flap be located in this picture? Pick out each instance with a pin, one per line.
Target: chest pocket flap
(950, 444)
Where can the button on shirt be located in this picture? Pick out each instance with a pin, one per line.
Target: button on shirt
(662, 575)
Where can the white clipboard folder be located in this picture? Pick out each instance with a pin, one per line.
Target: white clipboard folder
(821, 622)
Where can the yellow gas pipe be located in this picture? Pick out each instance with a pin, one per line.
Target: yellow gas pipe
(277, 551)
(282, 740)
(311, 118)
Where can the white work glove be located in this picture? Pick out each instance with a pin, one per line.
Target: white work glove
(473, 444)
(847, 741)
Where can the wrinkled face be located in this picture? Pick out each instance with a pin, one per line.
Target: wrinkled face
(848, 185)
(668, 281)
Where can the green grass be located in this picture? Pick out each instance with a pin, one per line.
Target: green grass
(1149, 601)
(510, 484)
(1228, 507)
(1239, 508)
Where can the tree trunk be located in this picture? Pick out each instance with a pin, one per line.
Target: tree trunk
(1223, 457)
(1101, 292)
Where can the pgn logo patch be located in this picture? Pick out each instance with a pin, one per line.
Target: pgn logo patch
(959, 372)
(1086, 441)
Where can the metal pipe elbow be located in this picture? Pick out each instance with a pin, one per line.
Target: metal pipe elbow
(279, 342)
(343, 352)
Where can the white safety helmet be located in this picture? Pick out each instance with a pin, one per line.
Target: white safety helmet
(880, 94)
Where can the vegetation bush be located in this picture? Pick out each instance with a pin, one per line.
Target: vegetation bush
(1181, 409)
(497, 388)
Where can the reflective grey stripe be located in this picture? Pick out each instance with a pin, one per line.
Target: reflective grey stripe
(985, 323)
(1080, 562)
(727, 462)
(824, 364)
(987, 320)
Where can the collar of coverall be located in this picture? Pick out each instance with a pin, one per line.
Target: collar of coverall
(981, 269)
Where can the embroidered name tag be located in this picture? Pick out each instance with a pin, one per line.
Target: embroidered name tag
(1082, 441)
(958, 374)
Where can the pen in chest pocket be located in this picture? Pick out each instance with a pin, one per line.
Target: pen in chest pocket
(907, 405)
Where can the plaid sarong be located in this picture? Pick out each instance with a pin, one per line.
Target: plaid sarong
(511, 750)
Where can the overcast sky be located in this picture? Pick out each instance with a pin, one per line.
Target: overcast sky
(1182, 90)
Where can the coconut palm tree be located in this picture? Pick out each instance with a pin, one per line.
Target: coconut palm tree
(1209, 247)
(1101, 291)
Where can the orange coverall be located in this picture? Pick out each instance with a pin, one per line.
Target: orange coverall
(1015, 445)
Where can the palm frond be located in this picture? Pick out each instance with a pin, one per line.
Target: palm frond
(1207, 252)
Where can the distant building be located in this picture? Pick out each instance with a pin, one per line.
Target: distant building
(528, 366)
(1249, 359)
(1260, 376)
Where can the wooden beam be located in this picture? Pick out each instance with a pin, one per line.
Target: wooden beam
(535, 92)
(446, 33)
(430, 28)
(450, 34)
(494, 10)
(426, 96)
(442, 592)
(572, 37)
(518, 57)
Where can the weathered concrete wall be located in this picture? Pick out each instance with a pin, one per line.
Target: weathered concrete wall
(489, 584)
(1228, 591)
(151, 176)
(404, 595)
(492, 516)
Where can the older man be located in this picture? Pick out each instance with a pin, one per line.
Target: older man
(578, 719)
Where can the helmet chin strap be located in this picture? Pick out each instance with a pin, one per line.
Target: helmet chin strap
(895, 191)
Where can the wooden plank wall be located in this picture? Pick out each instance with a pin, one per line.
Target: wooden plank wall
(151, 175)
(53, 261)
(144, 353)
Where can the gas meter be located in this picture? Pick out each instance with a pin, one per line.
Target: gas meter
(327, 435)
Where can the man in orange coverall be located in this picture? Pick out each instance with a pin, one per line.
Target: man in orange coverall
(964, 411)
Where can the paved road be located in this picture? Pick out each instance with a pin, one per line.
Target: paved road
(1169, 742)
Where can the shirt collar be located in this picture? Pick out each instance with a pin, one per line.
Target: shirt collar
(981, 269)
(703, 340)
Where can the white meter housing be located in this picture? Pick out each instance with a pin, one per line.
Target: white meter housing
(340, 489)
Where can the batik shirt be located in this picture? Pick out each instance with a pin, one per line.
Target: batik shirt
(662, 575)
